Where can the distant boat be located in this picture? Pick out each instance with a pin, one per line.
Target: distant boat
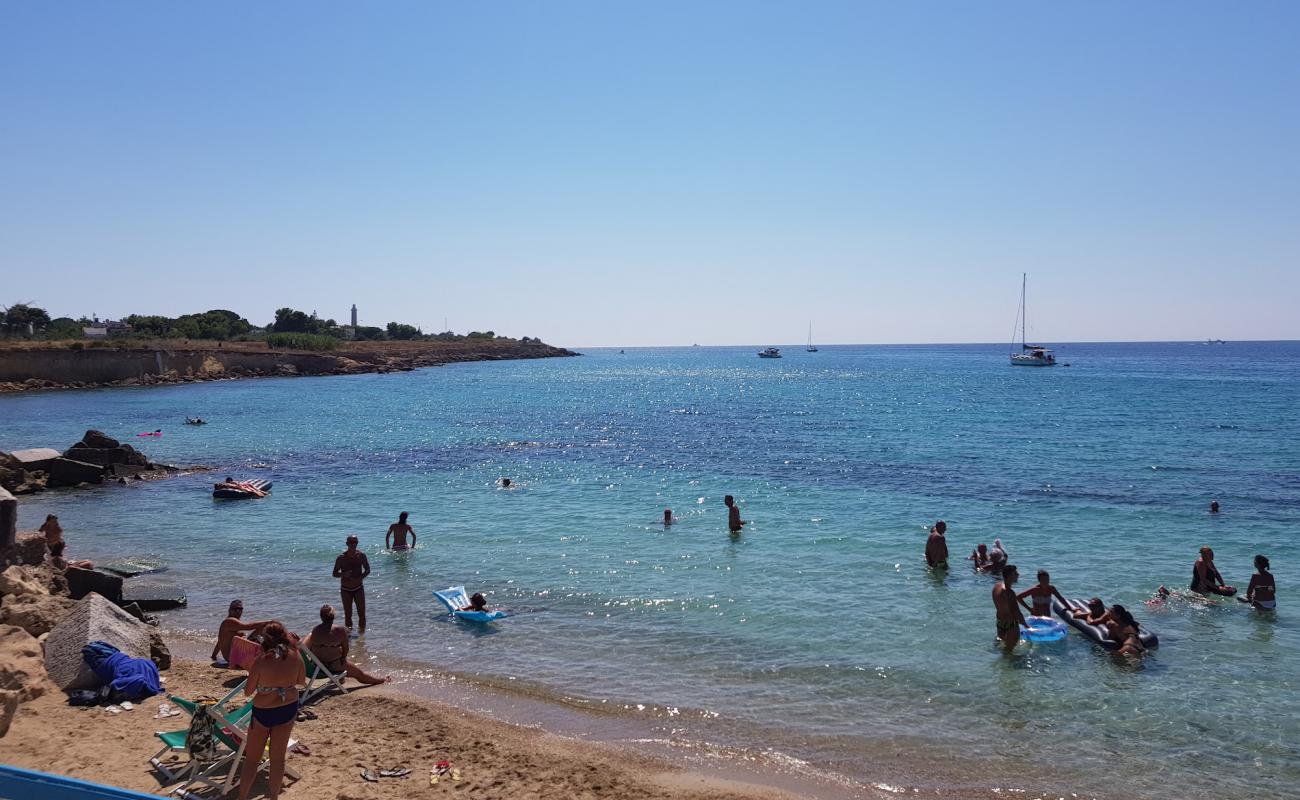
(1215, 341)
(1030, 355)
(811, 348)
(770, 352)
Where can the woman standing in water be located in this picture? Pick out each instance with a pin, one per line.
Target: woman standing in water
(1262, 591)
(395, 539)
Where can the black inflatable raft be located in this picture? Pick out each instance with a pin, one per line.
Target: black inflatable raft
(1097, 633)
(224, 492)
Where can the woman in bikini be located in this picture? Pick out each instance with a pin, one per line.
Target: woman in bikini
(1262, 591)
(1041, 596)
(1206, 578)
(397, 534)
(329, 643)
(273, 683)
(1122, 628)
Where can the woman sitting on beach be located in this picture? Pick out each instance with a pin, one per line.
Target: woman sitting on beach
(329, 643)
(1262, 591)
(1206, 578)
(1041, 595)
(273, 683)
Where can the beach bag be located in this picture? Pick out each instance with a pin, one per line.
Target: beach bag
(201, 740)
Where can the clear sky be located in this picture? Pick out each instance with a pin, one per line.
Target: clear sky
(626, 173)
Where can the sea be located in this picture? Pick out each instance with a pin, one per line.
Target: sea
(815, 641)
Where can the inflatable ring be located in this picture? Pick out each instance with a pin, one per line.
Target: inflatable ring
(1043, 629)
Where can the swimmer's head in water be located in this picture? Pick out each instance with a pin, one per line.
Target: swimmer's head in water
(982, 548)
(505, 481)
(1214, 506)
(402, 517)
(668, 515)
(229, 479)
(327, 613)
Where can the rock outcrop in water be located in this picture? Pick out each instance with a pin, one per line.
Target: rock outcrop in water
(89, 461)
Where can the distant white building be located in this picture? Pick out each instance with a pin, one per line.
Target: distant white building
(105, 329)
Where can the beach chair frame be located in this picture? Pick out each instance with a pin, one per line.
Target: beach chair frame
(183, 770)
(319, 678)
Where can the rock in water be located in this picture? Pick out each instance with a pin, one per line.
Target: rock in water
(153, 595)
(92, 619)
(82, 582)
(69, 472)
(97, 439)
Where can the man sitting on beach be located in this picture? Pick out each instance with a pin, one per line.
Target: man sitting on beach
(936, 547)
(230, 627)
(351, 568)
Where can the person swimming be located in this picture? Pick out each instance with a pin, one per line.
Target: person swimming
(1041, 596)
(505, 483)
(669, 519)
(1214, 506)
(936, 546)
(397, 533)
(1262, 591)
(980, 557)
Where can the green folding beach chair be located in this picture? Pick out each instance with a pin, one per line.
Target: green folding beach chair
(175, 741)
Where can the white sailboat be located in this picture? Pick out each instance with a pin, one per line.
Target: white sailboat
(811, 348)
(1030, 355)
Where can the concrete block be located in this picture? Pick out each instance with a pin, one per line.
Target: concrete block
(92, 619)
(66, 472)
(81, 582)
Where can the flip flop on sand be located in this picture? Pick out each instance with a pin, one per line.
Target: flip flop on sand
(369, 776)
(398, 772)
(300, 748)
(306, 714)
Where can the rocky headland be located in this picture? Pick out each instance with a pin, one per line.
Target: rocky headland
(93, 460)
(81, 365)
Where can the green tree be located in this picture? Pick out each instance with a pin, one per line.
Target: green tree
(64, 328)
(398, 331)
(367, 333)
(288, 320)
(21, 319)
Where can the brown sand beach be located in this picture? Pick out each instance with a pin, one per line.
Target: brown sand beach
(372, 728)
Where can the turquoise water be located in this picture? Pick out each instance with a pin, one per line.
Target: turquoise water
(817, 634)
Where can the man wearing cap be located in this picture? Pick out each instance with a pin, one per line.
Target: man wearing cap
(351, 568)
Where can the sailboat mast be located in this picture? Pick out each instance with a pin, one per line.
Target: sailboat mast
(1024, 310)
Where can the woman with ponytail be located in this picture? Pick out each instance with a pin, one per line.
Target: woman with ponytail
(273, 683)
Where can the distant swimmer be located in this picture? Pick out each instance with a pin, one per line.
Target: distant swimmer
(397, 534)
(505, 483)
(351, 568)
(1040, 596)
(1262, 591)
(1214, 506)
(936, 547)
(669, 519)
(980, 557)
(997, 558)
(1206, 578)
(734, 522)
(1009, 618)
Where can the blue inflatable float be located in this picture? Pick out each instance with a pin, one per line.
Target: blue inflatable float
(456, 601)
(1043, 629)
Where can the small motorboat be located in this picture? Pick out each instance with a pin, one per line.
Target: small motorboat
(770, 352)
(241, 490)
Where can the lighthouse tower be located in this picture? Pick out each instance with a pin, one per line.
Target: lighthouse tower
(354, 315)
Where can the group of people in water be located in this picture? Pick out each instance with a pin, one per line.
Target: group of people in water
(1118, 622)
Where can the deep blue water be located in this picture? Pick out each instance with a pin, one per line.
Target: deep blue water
(817, 634)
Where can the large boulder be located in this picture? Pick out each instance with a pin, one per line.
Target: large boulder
(37, 614)
(90, 620)
(94, 438)
(21, 667)
(19, 580)
(82, 582)
(20, 481)
(35, 458)
(68, 472)
(107, 456)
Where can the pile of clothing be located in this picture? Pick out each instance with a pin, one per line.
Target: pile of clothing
(123, 677)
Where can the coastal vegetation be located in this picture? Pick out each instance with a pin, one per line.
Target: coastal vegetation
(291, 328)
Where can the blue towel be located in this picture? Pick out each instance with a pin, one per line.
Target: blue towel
(129, 678)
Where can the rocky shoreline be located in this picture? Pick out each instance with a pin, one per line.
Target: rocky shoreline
(94, 459)
(69, 366)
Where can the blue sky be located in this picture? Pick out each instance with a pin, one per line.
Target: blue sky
(662, 173)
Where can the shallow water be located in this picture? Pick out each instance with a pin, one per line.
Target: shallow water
(815, 635)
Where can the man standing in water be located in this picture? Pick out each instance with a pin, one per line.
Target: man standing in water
(936, 547)
(351, 568)
(1008, 609)
(734, 522)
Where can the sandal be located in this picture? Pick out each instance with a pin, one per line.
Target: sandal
(369, 776)
(400, 772)
(300, 748)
